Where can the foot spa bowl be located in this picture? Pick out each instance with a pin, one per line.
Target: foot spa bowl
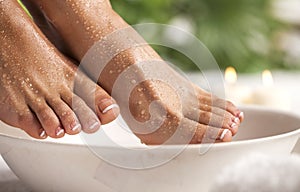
(77, 164)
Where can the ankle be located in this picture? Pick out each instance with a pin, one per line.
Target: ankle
(15, 25)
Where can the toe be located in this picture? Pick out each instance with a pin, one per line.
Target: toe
(88, 119)
(215, 101)
(31, 125)
(98, 99)
(241, 116)
(34, 129)
(22, 117)
(207, 98)
(223, 113)
(224, 135)
(48, 119)
(217, 111)
(207, 134)
(108, 110)
(229, 106)
(215, 120)
(67, 117)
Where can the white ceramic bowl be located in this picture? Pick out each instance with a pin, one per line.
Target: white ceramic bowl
(66, 166)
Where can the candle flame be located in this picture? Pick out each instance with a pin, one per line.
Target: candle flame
(230, 75)
(267, 78)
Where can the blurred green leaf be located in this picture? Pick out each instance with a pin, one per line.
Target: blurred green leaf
(239, 33)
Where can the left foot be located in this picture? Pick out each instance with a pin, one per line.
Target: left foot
(41, 91)
(80, 24)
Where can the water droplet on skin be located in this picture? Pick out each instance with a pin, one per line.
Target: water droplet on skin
(143, 112)
(38, 100)
(111, 71)
(150, 86)
(140, 89)
(30, 85)
(21, 113)
(140, 102)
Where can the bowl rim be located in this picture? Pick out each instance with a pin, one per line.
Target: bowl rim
(176, 146)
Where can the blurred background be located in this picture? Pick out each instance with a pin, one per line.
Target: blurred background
(250, 35)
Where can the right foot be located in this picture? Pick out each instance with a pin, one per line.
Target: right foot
(200, 116)
(40, 91)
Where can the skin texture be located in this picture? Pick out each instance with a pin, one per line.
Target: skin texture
(42, 92)
(85, 22)
(192, 116)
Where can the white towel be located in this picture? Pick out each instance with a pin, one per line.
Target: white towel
(260, 173)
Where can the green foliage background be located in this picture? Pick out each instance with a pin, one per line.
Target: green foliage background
(239, 33)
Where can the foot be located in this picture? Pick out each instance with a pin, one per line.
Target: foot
(42, 92)
(191, 114)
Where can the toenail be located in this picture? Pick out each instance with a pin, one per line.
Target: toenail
(43, 134)
(106, 105)
(76, 128)
(234, 126)
(237, 120)
(59, 131)
(241, 115)
(224, 133)
(113, 106)
(94, 125)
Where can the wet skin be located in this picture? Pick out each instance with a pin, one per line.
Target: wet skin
(41, 90)
(75, 26)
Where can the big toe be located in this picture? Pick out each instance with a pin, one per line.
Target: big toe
(97, 99)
